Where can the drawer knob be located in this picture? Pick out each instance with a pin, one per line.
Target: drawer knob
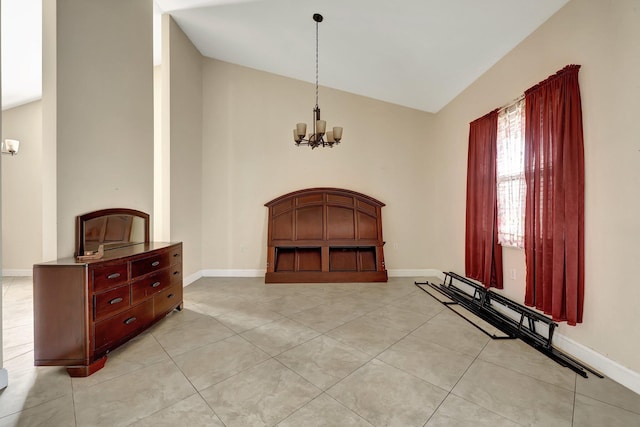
(169, 296)
(176, 255)
(113, 276)
(130, 320)
(176, 272)
(155, 285)
(115, 300)
(155, 263)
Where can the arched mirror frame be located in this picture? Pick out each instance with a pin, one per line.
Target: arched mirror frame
(81, 221)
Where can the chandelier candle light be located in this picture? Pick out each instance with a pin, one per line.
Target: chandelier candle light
(317, 138)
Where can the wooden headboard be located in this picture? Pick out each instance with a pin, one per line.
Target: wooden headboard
(325, 235)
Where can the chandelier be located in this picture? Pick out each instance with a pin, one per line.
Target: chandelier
(318, 138)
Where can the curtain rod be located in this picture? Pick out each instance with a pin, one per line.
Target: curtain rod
(512, 102)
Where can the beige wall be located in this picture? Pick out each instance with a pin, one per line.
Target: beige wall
(185, 143)
(603, 37)
(2, 370)
(249, 158)
(157, 233)
(102, 104)
(22, 190)
(49, 130)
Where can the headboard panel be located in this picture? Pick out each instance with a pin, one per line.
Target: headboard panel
(325, 235)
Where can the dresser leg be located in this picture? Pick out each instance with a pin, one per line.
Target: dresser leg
(85, 371)
(180, 307)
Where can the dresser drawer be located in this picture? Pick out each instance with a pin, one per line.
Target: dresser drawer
(150, 264)
(176, 274)
(111, 302)
(168, 299)
(108, 276)
(144, 288)
(124, 324)
(176, 255)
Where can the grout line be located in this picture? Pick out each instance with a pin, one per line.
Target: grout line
(531, 376)
(575, 390)
(449, 393)
(20, 411)
(347, 408)
(73, 403)
(189, 381)
(633, 411)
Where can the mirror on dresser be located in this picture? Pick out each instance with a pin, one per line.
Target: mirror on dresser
(113, 228)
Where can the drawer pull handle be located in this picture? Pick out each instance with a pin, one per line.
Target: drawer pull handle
(176, 272)
(115, 300)
(176, 255)
(130, 320)
(113, 276)
(155, 263)
(169, 296)
(155, 285)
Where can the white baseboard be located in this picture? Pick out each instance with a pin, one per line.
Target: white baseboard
(606, 366)
(17, 272)
(191, 278)
(233, 273)
(259, 273)
(4, 378)
(415, 273)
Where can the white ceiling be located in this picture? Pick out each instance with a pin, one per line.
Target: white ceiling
(416, 53)
(21, 51)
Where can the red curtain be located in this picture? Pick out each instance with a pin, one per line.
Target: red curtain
(554, 216)
(483, 253)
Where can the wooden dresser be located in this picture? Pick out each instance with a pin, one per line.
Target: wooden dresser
(83, 310)
(325, 235)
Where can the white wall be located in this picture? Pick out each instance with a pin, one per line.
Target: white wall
(98, 87)
(603, 37)
(158, 230)
(49, 130)
(249, 158)
(3, 372)
(22, 190)
(184, 118)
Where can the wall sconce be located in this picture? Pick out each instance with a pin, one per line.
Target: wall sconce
(10, 146)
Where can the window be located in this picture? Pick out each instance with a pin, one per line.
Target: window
(510, 175)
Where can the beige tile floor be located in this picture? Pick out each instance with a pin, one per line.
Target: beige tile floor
(243, 353)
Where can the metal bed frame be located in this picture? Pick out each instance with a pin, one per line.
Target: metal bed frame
(514, 320)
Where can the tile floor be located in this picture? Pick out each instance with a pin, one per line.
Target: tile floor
(243, 353)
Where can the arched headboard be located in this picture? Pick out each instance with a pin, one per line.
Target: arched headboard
(325, 235)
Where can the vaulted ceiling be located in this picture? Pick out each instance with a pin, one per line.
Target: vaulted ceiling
(416, 53)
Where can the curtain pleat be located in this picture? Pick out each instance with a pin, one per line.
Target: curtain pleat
(483, 253)
(554, 209)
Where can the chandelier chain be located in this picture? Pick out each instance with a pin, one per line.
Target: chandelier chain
(316, 64)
